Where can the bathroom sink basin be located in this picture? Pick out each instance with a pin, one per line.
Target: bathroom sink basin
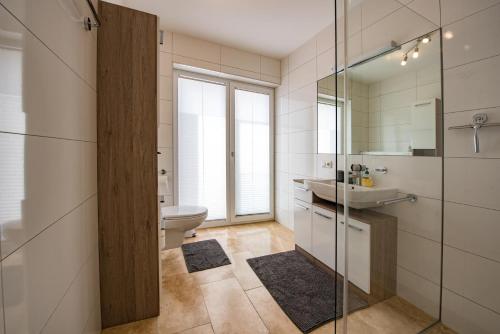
(359, 197)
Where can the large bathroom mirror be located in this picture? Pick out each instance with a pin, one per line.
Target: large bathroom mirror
(394, 104)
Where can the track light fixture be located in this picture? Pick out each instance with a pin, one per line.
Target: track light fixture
(415, 53)
(405, 60)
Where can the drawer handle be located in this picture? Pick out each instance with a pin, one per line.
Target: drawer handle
(359, 229)
(322, 215)
(302, 206)
(302, 189)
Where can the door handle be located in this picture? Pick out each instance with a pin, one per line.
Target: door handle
(322, 215)
(302, 206)
(359, 229)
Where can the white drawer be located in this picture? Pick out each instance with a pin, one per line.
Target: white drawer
(323, 235)
(302, 224)
(359, 252)
(299, 192)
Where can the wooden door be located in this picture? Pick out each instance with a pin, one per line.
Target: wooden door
(127, 165)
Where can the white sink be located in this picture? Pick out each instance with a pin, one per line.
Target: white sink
(359, 197)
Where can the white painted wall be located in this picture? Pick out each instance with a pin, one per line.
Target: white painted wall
(48, 175)
(471, 301)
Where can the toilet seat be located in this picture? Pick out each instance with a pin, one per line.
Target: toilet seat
(182, 212)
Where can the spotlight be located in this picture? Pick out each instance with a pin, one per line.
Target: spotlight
(426, 39)
(404, 61)
(448, 34)
(415, 53)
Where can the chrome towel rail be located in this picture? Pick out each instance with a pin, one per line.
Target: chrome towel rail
(412, 198)
(478, 121)
(87, 22)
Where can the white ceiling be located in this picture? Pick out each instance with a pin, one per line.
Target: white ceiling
(273, 28)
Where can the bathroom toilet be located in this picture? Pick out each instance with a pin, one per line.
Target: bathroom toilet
(177, 221)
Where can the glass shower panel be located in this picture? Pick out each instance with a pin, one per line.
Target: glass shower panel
(393, 126)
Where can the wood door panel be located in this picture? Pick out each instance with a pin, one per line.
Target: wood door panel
(127, 165)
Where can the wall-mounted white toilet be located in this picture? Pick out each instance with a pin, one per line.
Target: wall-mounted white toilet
(176, 221)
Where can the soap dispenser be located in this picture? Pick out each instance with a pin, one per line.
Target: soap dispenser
(366, 180)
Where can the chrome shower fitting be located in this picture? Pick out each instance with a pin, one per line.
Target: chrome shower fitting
(478, 121)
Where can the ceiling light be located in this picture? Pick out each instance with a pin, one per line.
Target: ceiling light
(404, 61)
(415, 53)
(448, 35)
(426, 39)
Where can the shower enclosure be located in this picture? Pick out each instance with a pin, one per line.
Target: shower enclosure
(380, 121)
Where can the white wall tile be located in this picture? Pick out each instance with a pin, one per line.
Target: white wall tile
(422, 218)
(326, 64)
(472, 277)
(196, 48)
(37, 275)
(240, 72)
(419, 255)
(418, 175)
(430, 9)
(374, 10)
(168, 41)
(302, 142)
(66, 108)
(325, 39)
(459, 143)
(472, 86)
(165, 88)
(473, 38)
(64, 35)
(44, 178)
(177, 59)
(303, 98)
(240, 59)
(472, 229)
(401, 26)
(418, 291)
(302, 55)
(165, 135)
(165, 110)
(466, 316)
(453, 10)
(472, 181)
(303, 75)
(165, 64)
(270, 66)
(76, 308)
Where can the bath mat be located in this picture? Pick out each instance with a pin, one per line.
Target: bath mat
(303, 291)
(202, 255)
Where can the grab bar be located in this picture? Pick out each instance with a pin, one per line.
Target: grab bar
(409, 197)
(87, 22)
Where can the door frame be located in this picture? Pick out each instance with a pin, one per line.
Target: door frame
(230, 85)
(235, 85)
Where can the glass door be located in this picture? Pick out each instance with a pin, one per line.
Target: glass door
(223, 133)
(251, 153)
(201, 143)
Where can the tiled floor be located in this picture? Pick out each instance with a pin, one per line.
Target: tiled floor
(231, 299)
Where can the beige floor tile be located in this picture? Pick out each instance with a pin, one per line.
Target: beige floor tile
(213, 275)
(172, 262)
(230, 310)
(271, 313)
(205, 329)
(182, 306)
(148, 326)
(244, 274)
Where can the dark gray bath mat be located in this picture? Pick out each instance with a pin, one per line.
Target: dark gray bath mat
(202, 255)
(303, 291)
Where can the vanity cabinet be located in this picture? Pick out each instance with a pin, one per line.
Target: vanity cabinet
(323, 235)
(302, 224)
(319, 235)
(359, 252)
(302, 216)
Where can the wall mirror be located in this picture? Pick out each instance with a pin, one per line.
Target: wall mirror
(394, 103)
